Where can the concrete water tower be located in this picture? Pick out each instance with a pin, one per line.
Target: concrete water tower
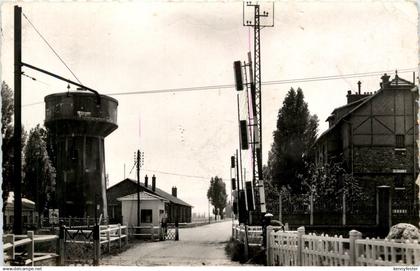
(78, 123)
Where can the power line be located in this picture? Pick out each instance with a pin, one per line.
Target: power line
(45, 40)
(181, 175)
(274, 82)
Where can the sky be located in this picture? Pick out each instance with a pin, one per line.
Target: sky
(116, 47)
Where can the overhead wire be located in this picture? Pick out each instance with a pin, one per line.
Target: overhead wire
(52, 49)
(181, 175)
(274, 82)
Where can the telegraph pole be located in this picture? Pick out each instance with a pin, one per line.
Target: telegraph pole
(17, 137)
(138, 187)
(256, 100)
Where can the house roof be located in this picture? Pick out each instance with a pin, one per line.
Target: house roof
(10, 202)
(347, 106)
(143, 196)
(397, 81)
(158, 192)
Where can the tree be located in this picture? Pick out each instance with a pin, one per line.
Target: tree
(217, 195)
(7, 126)
(328, 184)
(7, 137)
(39, 173)
(293, 139)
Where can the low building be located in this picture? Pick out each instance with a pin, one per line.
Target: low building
(29, 214)
(152, 209)
(375, 136)
(175, 208)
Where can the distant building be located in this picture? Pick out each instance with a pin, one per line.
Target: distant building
(175, 208)
(29, 214)
(375, 136)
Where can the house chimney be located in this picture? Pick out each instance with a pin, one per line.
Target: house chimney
(359, 85)
(153, 183)
(146, 181)
(174, 191)
(385, 80)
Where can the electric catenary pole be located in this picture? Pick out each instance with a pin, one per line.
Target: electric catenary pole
(255, 80)
(17, 137)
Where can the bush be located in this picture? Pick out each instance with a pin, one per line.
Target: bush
(235, 250)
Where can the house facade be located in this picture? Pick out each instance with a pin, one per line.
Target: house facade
(375, 136)
(152, 209)
(175, 209)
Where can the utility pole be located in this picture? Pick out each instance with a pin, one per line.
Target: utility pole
(138, 187)
(258, 180)
(17, 136)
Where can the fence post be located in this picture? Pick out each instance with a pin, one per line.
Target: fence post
(246, 242)
(96, 245)
(108, 237)
(31, 247)
(300, 233)
(353, 236)
(160, 233)
(119, 235)
(61, 243)
(126, 235)
(10, 238)
(268, 248)
(286, 226)
(176, 231)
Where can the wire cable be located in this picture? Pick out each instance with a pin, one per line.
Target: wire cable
(48, 44)
(181, 175)
(274, 82)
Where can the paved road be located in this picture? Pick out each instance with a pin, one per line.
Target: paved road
(197, 246)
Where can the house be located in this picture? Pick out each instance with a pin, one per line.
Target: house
(175, 208)
(375, 136)
(29, 214)
(152, 209)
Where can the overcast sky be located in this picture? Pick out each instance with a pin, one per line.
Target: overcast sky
(128, 47)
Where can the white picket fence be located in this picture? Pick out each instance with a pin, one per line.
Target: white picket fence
(254, 234)
(241, 232)
(300, 249)
(295, 248)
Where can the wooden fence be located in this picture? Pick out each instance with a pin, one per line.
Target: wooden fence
(300, 249)
(85, 244)
(145, 231)
(27, 244)
(68, 243)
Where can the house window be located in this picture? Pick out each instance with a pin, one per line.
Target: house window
(399, 141)
(399, 181)
(146, 216)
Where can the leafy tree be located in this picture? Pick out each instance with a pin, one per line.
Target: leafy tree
(39, 173)
(328, 183)
(217, 195)
(7, 137)
(7, 126)
(293, 139)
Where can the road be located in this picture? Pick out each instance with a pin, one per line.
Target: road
(199, 246)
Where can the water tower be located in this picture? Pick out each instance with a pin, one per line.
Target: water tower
(78, 123)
